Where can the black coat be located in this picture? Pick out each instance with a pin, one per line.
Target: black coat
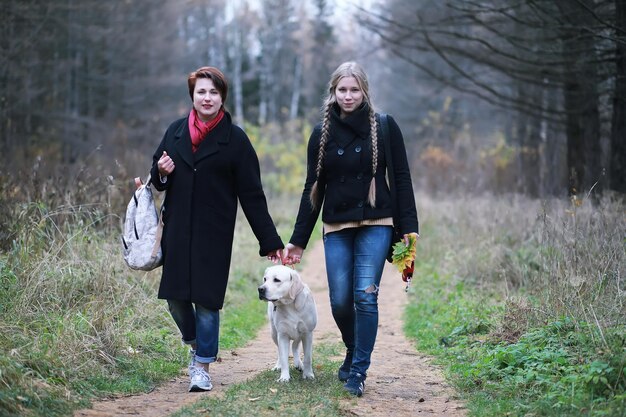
(345, 178)
(201, 208)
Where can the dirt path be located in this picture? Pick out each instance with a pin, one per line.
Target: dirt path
(400, 381)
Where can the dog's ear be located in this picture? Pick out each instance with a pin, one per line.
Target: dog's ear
(296, 285)
(301, 300)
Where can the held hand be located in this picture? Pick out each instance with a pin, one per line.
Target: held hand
(275, 256)
(165, 165)
(406, 238)
(292, 254)
(407, 272)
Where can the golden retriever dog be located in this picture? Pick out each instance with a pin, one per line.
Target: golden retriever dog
(292, 315)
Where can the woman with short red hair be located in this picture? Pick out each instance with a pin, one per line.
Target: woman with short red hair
(207, 165)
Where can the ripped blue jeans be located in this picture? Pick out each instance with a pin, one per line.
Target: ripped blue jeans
(355, 258)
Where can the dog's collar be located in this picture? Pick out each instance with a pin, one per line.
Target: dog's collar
(282, 302)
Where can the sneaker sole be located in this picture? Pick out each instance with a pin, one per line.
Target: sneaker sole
(358, 393)
(196, 388)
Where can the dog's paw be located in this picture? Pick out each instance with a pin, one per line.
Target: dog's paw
(283, 378)
(276, 368)
(299, 366)
(308, 375)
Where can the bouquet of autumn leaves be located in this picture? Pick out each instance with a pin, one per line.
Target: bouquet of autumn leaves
(403, 257)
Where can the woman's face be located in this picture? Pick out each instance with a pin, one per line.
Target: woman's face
(349, 95)
(206, 99)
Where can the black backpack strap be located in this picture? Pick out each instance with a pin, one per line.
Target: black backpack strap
(386, 138)
(384, 129)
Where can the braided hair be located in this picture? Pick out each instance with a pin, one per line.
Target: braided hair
(347, 69)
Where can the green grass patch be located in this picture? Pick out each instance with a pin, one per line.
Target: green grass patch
(264, 396)
(240, 322)
(77, 324)
(565, 367)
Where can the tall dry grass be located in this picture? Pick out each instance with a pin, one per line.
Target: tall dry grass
(77, 323)
(74, 316)
(550, 258)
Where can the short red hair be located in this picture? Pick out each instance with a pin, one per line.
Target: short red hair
(212, 73)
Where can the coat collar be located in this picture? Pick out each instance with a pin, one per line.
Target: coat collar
(210, 145)
(356, 124)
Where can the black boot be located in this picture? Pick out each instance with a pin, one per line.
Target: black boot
(355, 384)
(344, 370)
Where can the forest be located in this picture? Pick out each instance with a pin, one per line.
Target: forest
(513, 114)
(522, 96)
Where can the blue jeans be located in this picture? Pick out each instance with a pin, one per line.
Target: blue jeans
(198, 326)
(355, 258)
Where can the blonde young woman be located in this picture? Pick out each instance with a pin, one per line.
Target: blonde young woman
(346, 182)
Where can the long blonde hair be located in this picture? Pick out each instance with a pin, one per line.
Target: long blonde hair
(347, 69)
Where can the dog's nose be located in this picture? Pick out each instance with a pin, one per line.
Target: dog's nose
(261, 292)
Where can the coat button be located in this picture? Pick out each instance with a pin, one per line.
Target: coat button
(357, 149)
(359, 177)
(360, 204)
(340, 151)
(342, 179)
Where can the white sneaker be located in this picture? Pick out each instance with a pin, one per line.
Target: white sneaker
(200, 379)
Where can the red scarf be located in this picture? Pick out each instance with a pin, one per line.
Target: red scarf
(199, 129)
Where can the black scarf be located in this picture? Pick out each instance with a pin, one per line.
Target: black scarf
(355, 124)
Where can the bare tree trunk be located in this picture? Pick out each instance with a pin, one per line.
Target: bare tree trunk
(575, 142)
(273, 88)
(617, 176)
(237, 78)
(548, 141)
(528, 140)
(530, 156)
(581, 103)
(214, 18)
(7, 30)
(297, 88)
(70, 81)
(263, 97)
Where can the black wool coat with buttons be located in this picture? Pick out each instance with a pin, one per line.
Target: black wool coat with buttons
(201, 208)
(346, 175)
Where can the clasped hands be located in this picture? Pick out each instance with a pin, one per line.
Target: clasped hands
(291, 255)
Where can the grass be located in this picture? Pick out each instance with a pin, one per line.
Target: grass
(263, 396)
(522, 303)
(78, 324)
(515, 335)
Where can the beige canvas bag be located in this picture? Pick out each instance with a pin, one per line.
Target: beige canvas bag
(143, 227)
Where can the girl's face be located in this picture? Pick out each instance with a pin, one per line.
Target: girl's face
(349, 95)
(206, 99)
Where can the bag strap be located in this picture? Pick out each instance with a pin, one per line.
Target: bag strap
(159, 233)
(139, 182)
(384, 129)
